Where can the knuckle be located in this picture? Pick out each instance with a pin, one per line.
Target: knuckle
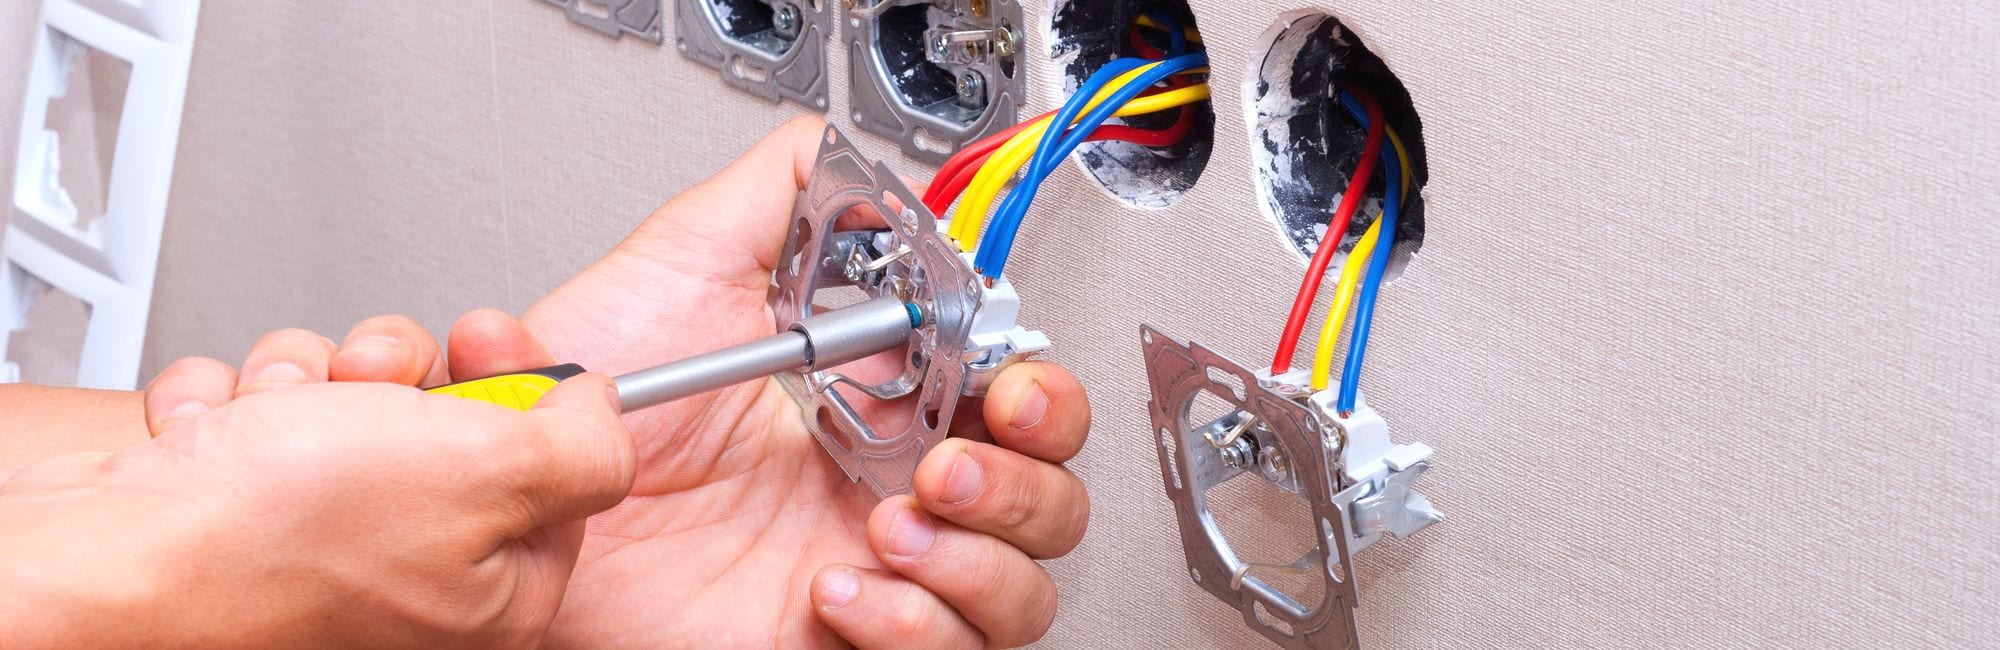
(909, 625)
(292, 337)
(1015, 506)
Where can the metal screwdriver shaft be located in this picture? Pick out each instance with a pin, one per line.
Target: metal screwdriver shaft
(817, 342)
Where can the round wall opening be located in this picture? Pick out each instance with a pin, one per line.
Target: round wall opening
(1305, 146)
(1086, 34)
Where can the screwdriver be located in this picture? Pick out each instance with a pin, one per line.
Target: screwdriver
(818, 342)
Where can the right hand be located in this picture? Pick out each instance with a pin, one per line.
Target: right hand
(349, 514)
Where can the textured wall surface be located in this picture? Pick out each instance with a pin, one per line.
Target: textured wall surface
(1703, 329)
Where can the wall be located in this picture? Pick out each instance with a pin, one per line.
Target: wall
(1702, 329)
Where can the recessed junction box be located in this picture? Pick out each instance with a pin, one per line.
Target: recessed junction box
(935, 75)
(775, 49)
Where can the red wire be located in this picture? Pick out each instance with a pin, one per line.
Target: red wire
(1357, 186)
(941, 195)
(1144, 49)
(976, 154)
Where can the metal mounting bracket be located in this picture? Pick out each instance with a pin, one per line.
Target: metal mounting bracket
(934, 75)
(783, 58)
(1356, 484)
(614, 18)
(856, 225)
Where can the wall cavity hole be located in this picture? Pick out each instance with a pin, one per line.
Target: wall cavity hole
(1086, 34)
(755, 23)
(1304, 146)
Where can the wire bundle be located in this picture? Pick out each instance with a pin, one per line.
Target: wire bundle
(1361, 275)
(1121, 88)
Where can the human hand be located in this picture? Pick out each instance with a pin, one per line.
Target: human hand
(739, 530)
(271, 509)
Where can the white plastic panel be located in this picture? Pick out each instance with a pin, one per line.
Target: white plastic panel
(93, 231)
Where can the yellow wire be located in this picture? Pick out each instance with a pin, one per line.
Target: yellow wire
(1350, 277)
(1193, 36)
(963, 229)
(969, 219)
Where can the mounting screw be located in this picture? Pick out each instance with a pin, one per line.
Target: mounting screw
(1005, 41)
(785, 22)
(1238, 454)
(971, 88)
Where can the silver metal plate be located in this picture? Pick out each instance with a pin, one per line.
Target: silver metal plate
(849, 200)
(928, 127)
(641, 18)
(1191, 465)
(782, 58)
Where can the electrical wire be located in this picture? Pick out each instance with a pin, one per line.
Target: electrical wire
(1146, 21)
(946, 186)
(1393, 164)
(942, 192)
(1350, 276)
(1091, 92)
(970, 219)
(999, 238)
(1343, 296)
(1336, 229)
(1176, 34)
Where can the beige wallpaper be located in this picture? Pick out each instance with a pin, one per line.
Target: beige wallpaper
(1703, 329)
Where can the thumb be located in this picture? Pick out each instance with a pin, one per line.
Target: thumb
(589, 460)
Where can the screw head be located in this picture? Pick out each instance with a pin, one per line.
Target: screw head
(786, 21)
(971, 87)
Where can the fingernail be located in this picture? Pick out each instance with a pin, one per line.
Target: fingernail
(1033, 407)
(611, 394)
(282, 372)
(910, 534)
(181, 412)
(837, 588)
(964, 480)
(187, 409)
(374, 340)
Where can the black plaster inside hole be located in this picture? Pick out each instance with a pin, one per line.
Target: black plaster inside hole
(1093, 32)
(1306, 146)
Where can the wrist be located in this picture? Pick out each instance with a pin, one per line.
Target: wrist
(88, 568)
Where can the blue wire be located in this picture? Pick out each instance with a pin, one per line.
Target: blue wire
(1364, 310)
(1084, 91)
(998, 241)
(1174, 29)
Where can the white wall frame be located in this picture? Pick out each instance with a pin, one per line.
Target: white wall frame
(110, 262)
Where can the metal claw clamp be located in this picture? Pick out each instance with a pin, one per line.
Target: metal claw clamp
(1355, 482)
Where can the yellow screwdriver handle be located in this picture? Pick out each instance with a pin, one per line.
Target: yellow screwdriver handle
(515, 390)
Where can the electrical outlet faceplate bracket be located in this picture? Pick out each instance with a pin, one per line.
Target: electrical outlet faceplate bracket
(855, 224)
(785, 61)
(977, 43)
(614, 18)
(1355, 482)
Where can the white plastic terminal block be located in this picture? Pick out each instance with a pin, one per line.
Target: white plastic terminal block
(997, 339)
